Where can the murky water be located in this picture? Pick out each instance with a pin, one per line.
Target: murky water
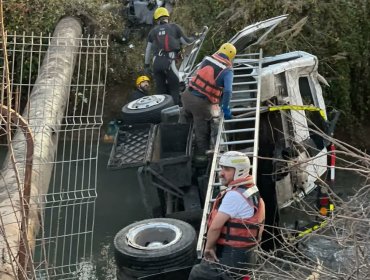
(118, 205)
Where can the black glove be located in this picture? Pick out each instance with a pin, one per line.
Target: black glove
(147, 69)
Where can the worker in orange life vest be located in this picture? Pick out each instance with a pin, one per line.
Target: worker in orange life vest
(235, 223)
(211, 85)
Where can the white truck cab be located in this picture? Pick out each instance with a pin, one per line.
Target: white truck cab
(290, 84)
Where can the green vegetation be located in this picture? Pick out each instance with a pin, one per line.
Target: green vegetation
(42, 15)
(337, 31)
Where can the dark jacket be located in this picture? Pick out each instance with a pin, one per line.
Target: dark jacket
(164, 39)
(136, 94)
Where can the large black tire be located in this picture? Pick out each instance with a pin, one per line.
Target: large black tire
(150, 114)
(145, 260)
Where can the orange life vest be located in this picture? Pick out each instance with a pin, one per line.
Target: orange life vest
(241, 233)
(205, 79)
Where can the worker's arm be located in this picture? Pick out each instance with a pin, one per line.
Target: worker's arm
(187, 40)
(148, 51)
(212, 235)
(228, 77)
(183, 38)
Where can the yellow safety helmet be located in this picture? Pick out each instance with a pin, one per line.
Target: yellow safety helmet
(141, 79)
(161, 12)
(228, 49)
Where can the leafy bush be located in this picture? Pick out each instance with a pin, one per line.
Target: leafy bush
(42, 15)
(336, 31)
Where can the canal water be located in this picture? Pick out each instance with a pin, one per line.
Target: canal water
(118, 204)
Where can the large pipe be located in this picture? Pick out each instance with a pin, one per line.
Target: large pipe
(44, 113)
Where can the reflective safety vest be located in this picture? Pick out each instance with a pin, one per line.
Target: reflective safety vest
(240, 233)
(205, 79)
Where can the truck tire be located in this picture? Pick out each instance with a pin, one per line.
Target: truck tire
(146, 109)
(154, 245)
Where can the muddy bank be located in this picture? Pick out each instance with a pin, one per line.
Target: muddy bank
(115, 98)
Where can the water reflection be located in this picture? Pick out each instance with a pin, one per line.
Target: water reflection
(118, 205)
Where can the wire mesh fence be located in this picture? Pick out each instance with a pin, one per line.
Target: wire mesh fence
(58, 83)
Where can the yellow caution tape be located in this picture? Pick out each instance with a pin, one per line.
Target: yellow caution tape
(317, 226)
(297, 108)
(314, 228)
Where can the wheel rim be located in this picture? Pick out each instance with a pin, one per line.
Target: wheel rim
(153, 236)
(146, 102)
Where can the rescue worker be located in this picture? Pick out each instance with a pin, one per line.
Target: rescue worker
(211, 84)
(164, 42)
(142, 88)
(235, 223)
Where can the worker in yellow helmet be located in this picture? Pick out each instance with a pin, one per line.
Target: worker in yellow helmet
(210, 85)
(164, 44)
(142, 88)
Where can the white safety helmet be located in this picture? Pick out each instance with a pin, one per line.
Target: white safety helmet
(237, 160)
(159, 3)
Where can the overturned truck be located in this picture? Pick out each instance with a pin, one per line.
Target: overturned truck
(280, 121)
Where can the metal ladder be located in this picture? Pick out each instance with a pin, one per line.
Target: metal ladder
(240, 133)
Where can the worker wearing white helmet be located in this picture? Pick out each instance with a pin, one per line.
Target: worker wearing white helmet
(235, 223)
